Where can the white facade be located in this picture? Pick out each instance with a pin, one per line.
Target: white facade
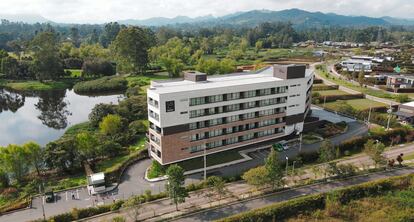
(293, 98)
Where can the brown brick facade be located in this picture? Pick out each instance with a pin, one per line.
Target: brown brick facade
(175, 147)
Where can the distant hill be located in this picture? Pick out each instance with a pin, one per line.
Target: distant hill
(299, 18)
(161, 21)
(26, 18)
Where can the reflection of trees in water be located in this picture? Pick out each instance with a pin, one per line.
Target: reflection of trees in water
(10, 101)
(53, 108)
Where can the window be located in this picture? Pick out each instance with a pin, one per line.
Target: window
(197, 101)
(196, 113)
(197, 148)
(217, 132)
(170, 106)
(233, 118)
(233, 96)
(232, 140)
(193, 126)
(250, 94)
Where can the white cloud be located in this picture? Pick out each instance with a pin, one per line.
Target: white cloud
(92, 11)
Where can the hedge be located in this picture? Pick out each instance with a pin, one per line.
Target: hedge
(332, 98)
(104, 84)
(324, 87)
(294, 207)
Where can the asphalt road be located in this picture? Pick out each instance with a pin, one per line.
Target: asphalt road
(228, 210)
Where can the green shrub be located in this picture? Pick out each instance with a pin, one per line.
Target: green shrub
(325, 87)
(281, 211)
(104, 84)
(117, 205)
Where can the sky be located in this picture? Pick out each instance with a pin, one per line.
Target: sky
(100, 11)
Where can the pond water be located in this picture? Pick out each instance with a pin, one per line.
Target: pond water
(43, 116)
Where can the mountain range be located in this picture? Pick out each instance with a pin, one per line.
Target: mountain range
(299, 18)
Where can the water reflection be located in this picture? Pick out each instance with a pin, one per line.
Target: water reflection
(10, 101)
(53, 109)
(43, 116)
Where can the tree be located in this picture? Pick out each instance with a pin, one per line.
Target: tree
(173, 55)
(256, 176)
(109, 34)
(74, 36)
(134, 205)
(13, 159)
(274, 170)
(47, 63)
(86, 145)
(175, 183)
(99, 112)
(34, 156)
(93, 51)
(361, 78)
(61, 155)
(218, 186)
(327, 153)
(374, 150)
(9, 67)
(111, 125)
(97, 67)
(258, 46)
(402, 98)
(131, 50)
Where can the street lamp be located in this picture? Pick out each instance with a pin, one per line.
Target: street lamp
(287, 164)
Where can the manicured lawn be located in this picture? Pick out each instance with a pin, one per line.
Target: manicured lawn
(35, 85)
(213, 159)
(358, 104)
(75, 72)
(368, 91)
(332, 93)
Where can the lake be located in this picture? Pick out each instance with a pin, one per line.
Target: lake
(43, 116)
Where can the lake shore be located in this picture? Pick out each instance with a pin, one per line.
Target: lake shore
(25, 85)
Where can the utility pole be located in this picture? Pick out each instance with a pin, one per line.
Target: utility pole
(369, 115)
(300, 142)
(324, 101)
(389, 111)
(41, 191)
(287, 164)
(293, 168)
(205, 162)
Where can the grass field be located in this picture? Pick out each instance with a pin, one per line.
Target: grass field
(75, 72)
(332, 93)
(395, 206)
(358, 104)
(35, 85)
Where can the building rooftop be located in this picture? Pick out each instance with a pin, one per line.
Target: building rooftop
(217, 81)
(410, 104)
(97, 177)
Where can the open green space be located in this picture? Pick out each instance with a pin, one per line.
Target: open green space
(35, 85)
(332, 92)
(74, 72)
(358, 104)
(377, 93)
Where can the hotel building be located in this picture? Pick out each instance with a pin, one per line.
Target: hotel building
(223, 112)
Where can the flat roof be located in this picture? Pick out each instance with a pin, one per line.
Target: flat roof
(410, 104)
(97, 177)
(217, 81)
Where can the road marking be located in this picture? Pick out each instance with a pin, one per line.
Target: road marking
(77, 193)
(66, 195)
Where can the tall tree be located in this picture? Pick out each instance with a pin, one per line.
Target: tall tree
(13, 159)
(176, 190)
(109, 34)
(274, 169)
(86, 144)
(74, 36)
(327, 153)
(47, 63)
(131, 50)
(34, 156)
(374, 150)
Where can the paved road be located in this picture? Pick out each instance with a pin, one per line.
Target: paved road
(239, 207)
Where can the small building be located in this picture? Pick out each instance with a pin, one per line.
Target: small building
(96, 183)
(405, 113)
(356, 65)
(400, 81)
